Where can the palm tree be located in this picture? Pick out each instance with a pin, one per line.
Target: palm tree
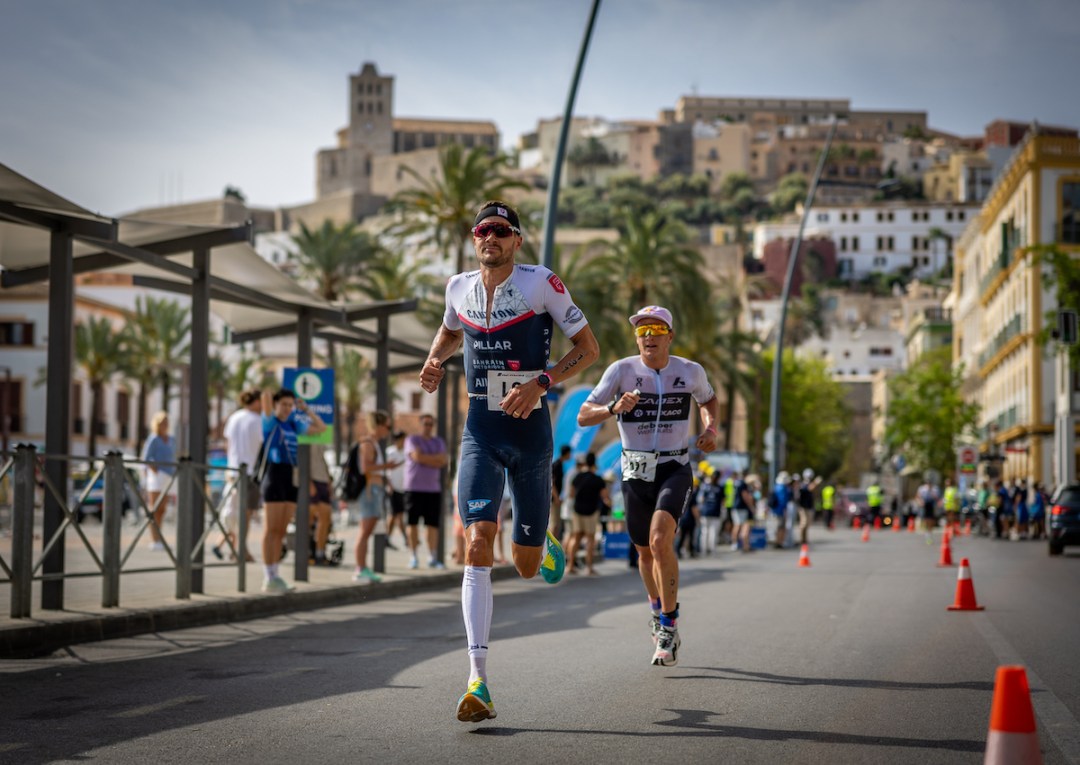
(441, 209)
(137, 364)
(352, 378)
(650, 262)
(332, 256)
(170, 326)
(98, 352)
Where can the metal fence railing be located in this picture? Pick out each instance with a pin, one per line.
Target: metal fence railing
(111, 484)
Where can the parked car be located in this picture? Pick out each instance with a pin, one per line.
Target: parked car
(853, 502)
(1063, 518)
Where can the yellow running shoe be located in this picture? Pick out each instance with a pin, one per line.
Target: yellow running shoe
(554, 563)
(476, 704)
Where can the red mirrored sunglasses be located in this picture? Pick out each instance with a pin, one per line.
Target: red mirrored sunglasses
(500, 230)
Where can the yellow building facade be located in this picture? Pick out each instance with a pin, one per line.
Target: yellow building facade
(1010, 373)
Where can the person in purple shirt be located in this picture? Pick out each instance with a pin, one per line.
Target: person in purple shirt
(425, 457)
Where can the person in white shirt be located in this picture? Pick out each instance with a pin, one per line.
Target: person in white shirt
(243, 438)
(395, 455)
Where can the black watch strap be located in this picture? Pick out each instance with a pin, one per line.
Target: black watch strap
(543, 380)
(611, 406)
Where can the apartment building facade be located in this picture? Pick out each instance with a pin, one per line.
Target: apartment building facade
(882, 237)
(1000, 301)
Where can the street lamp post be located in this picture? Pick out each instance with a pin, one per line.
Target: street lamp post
(796, 245)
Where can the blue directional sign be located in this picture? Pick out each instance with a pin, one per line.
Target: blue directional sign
(316, 388)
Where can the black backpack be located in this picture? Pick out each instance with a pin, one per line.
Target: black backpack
(355, 481)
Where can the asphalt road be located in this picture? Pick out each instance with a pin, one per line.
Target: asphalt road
(852, 660)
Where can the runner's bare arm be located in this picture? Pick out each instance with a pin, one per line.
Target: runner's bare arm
(594, 414)
(521, 399)
(710, 413)
(446, 342)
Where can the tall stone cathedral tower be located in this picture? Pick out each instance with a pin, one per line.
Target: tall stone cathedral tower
(370, 134)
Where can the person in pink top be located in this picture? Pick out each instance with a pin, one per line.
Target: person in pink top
(425, 457)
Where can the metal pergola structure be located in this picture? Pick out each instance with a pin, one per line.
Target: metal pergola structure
(46, 238)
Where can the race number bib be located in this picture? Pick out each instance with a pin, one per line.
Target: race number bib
(499, 383)
(640, 465)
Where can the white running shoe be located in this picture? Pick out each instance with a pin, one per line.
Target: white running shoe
(667, 647)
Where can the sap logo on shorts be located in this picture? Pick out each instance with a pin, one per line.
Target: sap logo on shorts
(556, 284)
(477, 505)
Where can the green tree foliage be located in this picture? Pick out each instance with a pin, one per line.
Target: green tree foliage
(441, 208)
(789, 192)
(156, 345)
(927, 417)
(650, 262)
(813, 413)
(331, 256)
(98, 353)
(1061, 276)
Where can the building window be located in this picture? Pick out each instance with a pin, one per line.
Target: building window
(948, 215)
(19, 333)
(378, 107)
(843, 244)
(843, 217)
(880, 261)
(78, 424)
(854, 217)
(378, 88)
(1070, 213)
(959, 214)
(886, 351)
(11, 394)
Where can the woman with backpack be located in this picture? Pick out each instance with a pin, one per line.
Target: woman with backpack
(373, 466)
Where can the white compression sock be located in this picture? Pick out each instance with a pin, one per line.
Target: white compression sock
(477, 603)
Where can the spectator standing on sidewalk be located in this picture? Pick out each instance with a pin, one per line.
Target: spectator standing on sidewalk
(372, 503)
(243, 437)
(587, 492)
(160, 457)
(395, 454)
(321, 501)
(425, 457)
(284, 417)
(709, 498)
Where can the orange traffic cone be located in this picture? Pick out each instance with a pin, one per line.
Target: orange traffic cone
(897, 524)
(1012, 736)
(804, 556)
(911, 524)
(866, 533)
(967, 528)
(856, 522)
(946, 551)
(965, 590)
(877, 523)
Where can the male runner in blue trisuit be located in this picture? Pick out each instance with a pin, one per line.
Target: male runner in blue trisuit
(505, 313)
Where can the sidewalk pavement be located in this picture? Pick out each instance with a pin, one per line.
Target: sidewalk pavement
(148, 602)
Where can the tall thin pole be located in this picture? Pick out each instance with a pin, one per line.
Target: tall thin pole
(774, 392)
(551, 210)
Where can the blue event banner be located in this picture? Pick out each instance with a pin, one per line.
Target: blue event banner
(316, 388)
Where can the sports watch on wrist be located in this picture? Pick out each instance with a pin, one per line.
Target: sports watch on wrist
(543, 380)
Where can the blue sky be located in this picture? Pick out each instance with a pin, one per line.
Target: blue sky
(119, 104)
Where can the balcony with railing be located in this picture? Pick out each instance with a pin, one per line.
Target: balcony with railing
(1015, 326)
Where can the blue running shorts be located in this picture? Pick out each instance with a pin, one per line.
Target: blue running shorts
(494, 442)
